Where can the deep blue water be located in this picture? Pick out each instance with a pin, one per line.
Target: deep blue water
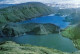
(57, 20)
(55, 41)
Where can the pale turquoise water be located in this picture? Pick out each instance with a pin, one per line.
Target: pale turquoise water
(51, 41)
(55, 41)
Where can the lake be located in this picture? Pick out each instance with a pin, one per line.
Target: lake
(57, 20)
(55, 41)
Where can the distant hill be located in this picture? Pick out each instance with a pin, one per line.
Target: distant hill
(24, 11)
(5, 5)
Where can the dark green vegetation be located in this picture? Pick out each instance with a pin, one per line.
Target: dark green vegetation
(73, 32)
(28, 28)
(13, 48)
(24, 11)
(21, 12)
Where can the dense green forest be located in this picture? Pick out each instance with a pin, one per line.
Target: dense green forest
(25, 11)
(37, 29)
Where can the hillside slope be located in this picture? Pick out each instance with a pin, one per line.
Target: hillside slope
(28, 28)
(10, 47)
(13, 48)
(24, 11)
(73, 32)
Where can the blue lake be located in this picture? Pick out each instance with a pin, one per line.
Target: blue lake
(55, 41)
(57, 20)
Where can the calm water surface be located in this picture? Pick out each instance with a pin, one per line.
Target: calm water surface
(57, 20)
(51, 41)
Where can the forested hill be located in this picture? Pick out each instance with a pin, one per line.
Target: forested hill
(24, 11)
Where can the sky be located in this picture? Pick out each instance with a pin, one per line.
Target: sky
(43, 1)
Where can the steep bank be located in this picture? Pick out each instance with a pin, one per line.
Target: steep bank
(14, 29)
(73, 32)
(25, 11)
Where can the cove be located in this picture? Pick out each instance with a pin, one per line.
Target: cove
(55, 41)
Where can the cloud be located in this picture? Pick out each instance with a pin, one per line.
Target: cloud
(44, 1)
(21, 1)
(6, 1)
